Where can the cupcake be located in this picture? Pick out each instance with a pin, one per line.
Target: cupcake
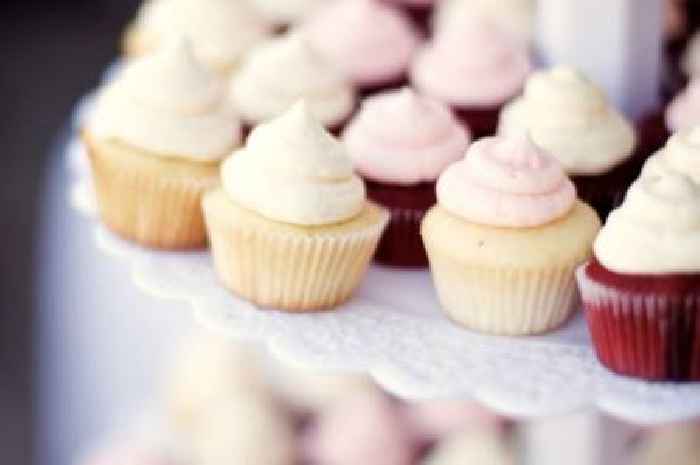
(400, 142)
(155, 141)
(364, 429)
(568, 116)
(245, 432)
(472, 447)
(221, 30)
(517, 17)
(284, 70)
(291, 228)
(370, 42)
(475, 69)
(506, 237)
(286, 12)
(641, 290)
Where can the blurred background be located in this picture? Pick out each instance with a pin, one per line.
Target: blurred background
(53, 53)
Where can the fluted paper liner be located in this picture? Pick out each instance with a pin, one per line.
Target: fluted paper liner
(650, 336)
(154, 202)
(273, 266)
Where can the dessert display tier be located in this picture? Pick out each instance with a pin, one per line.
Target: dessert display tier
(394, 330)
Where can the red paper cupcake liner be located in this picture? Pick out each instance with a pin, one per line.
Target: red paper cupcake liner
(401, 245)
(648, 333)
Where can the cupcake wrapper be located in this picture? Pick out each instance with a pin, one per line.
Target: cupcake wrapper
(291, 272)
(401, 244)
(653, 337)
(506, 302)
(149, 208)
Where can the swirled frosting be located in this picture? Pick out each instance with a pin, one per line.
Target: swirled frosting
(293, 171)
(476, 65)
(684, 110)
(656, 230)
(403, 138)
(567, 115)
(368, 41)
(283, 71)
(286, 11)
(507, 182)
(517, 17)
(170, 105)
(680, 155)
(221, 30)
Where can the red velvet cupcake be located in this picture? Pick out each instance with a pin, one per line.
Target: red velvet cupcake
(641, 292)
(475, 68)
(400, 142)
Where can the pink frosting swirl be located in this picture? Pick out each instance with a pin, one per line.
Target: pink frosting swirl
(403, 138)
(372, 43)
(684, 110)
(506, 182)
(476, 65)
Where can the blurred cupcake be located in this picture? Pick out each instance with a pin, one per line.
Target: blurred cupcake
(472, 447)
(400, 142)
(475, 69)
(507, 218)
(364, 429)
(568, 116)
(282, 71)
(284, 13)
(208, 370)
(221, 30)
(370, 42)
(155, 142)
(517, 17)
(291, 229)
(641, 290)
(245, 432)
(419, 10)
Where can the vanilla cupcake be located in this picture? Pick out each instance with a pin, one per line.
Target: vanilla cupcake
(370, 42)
(641, 289)
(155, 141)
(472, 447)
(475, 69)
(286, 12)
(506, 237)
(568, 116)
(400, 142)
(291, 229)
(221, 31)
(282, 71)
(517, 17)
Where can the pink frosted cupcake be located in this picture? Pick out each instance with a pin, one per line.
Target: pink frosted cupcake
(400, 142)
(371, 42)
(641, 290)
(475, 69)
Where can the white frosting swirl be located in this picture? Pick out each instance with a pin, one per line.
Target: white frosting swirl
(283, 71)
(681, 155)
(292, 170)
(170, 105)
(570, 117)
(221, 30)
(656, 230)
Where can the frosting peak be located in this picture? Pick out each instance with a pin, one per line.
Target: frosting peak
(566, 114)
(661, 217)
(475, 65)
(347, 32)
(287, 69)
(168, 104)
(404, 138)
(506, 182)
(292, 170)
